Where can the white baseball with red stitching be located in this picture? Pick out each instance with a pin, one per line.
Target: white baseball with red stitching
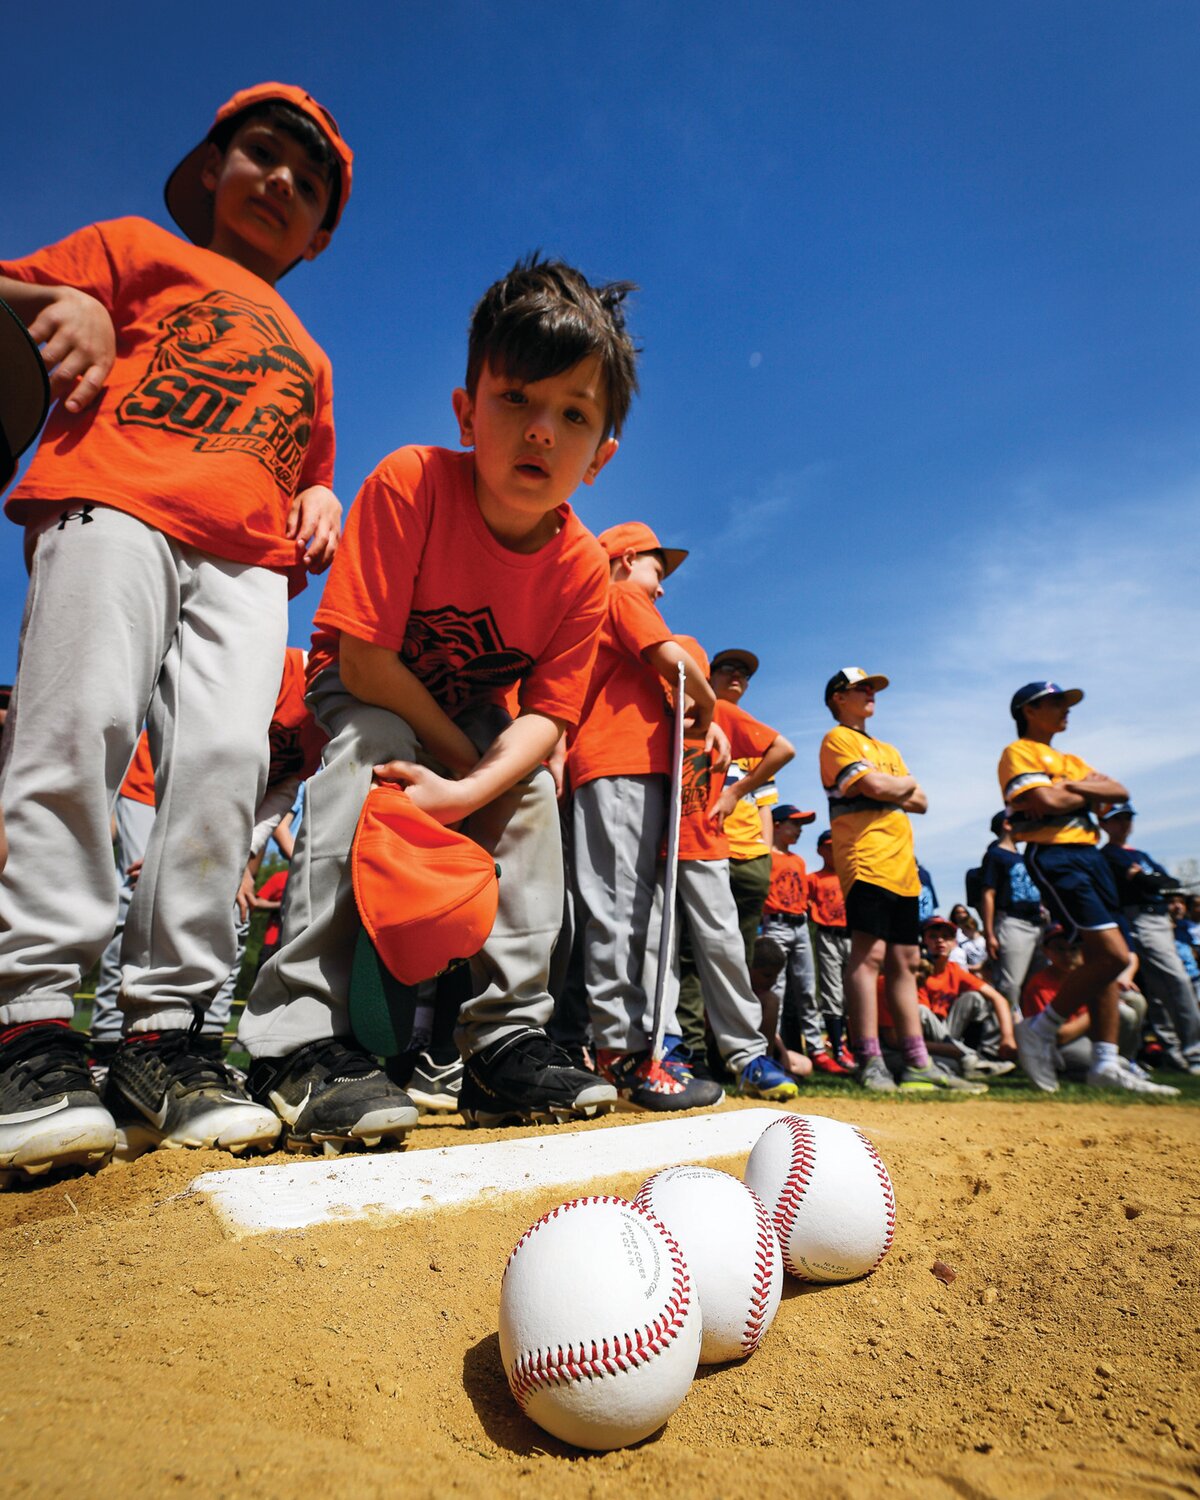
(599, 1325)
(828, 1194)
(729, 1243)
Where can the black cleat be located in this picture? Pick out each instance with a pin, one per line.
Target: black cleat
(50, 1113)
(331, 1094)
(525, 1079)
(166, 1089)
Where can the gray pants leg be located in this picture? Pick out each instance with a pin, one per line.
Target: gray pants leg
(973, 1012)
(617, 829)
(733, 1009)
(301, 994)
(1018, 941)
(190, 644)
(832, 949)
(134, 821)
(1164, 982)
(220, 1007)
(796, 981)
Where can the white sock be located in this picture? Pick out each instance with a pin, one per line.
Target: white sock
(1046, 1023)
(1105, 1053)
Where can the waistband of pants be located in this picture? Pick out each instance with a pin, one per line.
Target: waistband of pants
(832, 931)
(790, 917)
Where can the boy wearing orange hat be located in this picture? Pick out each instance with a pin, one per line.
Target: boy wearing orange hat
(618, 763)
(453, 649)
(181, 487)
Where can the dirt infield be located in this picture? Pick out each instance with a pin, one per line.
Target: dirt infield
(142, 1353)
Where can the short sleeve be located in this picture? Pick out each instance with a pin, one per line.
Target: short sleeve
(842, 760)
(1019, 770)
(318, 457)
(636, 625)
(81, 260)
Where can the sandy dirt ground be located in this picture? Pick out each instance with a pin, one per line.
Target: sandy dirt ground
(144, 1353)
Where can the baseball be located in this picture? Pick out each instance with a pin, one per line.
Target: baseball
(730, 1246)
(599, 1324)
(828, 1195)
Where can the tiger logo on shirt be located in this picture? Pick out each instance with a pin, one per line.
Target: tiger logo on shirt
(460, 655)
(227, 374)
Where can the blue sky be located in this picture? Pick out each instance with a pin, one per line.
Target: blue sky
(919, 296)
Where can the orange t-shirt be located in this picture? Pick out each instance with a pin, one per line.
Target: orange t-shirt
(940, 991)
(1041, 989)
(789, 884)
(626, 726)
(138, 785)
(698, 839)
(826, 905)
(219, 407)
(419, 572)
(295, 736)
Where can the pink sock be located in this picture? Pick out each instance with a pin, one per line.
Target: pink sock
(868, 1046)
(914, 1051)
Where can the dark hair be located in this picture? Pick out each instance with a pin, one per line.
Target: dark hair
(543, 318)
(998, 823)
(296, 123)
(1019, 716)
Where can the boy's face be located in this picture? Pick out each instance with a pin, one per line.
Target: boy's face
(535, 444)
(645, 571)
(940, 942)
(1047, 716)
(730, 680)
(269, 200)
(1062, 955)
(854, 703)
(786, 834)
(1176, 906)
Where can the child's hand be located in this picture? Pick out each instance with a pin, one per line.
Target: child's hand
(720, 752)
(315, 521)
(723, 806)
(78, 345)
(245, 898)
(437, 795)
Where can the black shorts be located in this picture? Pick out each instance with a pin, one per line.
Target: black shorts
(883, 914)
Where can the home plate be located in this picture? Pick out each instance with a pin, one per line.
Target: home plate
(253, 1200)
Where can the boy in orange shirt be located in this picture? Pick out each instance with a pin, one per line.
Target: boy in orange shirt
(618, 762)
(831, 947)
(711, 917)
(178, 483)
(785, 919)
(977, 1017)
(465, 589)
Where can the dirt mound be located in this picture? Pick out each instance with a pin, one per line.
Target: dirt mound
(142, 1352)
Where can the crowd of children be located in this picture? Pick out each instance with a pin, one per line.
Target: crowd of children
(479, 647)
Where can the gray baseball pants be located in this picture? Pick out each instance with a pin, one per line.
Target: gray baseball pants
(301, 994)
(733, 1009)
(1018, 941)
(124, 625)
(831, 947)
(616, 832)
(1163, 980)
(795, 986)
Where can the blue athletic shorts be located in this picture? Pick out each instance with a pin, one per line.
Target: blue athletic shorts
(1077, 885)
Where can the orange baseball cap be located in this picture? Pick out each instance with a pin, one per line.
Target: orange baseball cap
(189, 202)
(427, 895)
(637, 534)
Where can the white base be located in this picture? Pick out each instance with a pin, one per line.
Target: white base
(253, 1200)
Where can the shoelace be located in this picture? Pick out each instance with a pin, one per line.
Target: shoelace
(52, 1057)
(334, 1056)
(193, 1069)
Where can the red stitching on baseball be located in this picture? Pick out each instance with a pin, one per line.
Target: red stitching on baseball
(889, 1197)
(760, 1291)
(795, 1183)
(538, 1368)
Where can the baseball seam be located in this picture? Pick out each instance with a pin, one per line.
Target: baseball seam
(537, 1369)
(760, 1289)
(889, 1197)
(795, 1186)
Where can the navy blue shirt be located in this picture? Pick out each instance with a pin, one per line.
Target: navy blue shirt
(1144, 891)
(1004, 872)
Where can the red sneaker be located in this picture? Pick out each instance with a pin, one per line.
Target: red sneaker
(649, 1084)
(847, 1059)
(823, 1063)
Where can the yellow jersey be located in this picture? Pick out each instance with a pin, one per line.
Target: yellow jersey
(1029, 763)
(872, 840)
